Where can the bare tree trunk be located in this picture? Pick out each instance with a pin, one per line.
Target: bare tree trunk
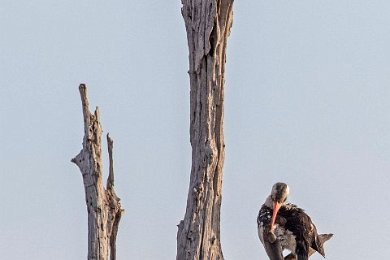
(208, 24)
(104, 208)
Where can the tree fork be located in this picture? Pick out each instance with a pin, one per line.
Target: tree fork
(208, 24)
(103, 206)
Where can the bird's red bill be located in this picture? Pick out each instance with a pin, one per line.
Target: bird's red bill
(274, 213)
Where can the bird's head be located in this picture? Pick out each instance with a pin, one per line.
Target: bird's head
(277, 198)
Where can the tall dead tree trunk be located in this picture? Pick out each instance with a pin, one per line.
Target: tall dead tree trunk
(104, 208)
(208, 24)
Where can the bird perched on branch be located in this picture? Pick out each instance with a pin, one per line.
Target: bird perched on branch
(283, 226)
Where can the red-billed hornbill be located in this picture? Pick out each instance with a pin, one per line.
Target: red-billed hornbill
(283, 226)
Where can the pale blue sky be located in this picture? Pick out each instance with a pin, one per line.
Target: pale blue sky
(307, 102)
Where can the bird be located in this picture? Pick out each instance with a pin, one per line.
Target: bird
(283, 225)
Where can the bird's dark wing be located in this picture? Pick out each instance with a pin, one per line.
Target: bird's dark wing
(300, 224)
(304, 230)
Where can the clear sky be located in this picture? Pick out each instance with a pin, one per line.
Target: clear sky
(307, 102)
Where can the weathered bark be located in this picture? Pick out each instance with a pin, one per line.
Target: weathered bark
(104, 208)
(208, 24)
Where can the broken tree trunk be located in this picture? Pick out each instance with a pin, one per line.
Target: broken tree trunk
(104, 208)
(208, 24)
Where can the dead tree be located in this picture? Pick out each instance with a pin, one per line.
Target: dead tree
(104, 208)
(208, 24)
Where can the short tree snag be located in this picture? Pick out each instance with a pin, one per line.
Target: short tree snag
(103, 206)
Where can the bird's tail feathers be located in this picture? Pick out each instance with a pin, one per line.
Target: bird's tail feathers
(322, 239)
